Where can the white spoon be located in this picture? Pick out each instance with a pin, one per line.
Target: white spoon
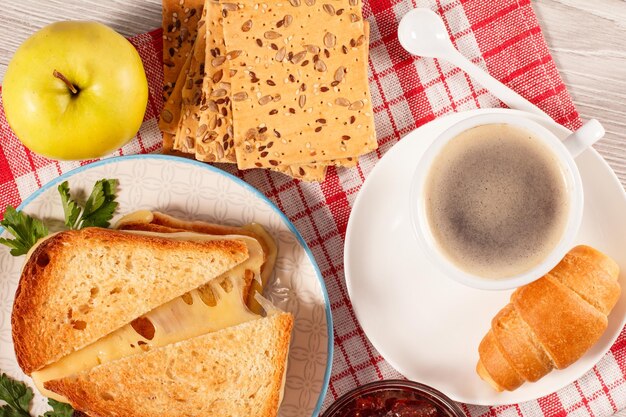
(422, 32)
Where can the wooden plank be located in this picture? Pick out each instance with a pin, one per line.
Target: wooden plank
(586, 38)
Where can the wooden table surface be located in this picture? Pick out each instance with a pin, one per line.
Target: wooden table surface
(586, 38)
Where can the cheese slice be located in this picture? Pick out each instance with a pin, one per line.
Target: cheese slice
(214, 306)
(147, 217)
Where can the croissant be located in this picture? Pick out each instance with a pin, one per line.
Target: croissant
(550, 323)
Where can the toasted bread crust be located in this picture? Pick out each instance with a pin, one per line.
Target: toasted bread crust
(163, 223)
(237, 371)
(78, 286)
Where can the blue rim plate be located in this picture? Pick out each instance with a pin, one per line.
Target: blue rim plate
(239, 195)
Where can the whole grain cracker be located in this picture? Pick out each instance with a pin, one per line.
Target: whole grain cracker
(214, 139)
(170, 114)
(214, 136)
(311, 101)
(191, 94)
(180, 18)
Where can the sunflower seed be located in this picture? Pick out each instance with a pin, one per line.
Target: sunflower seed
(312, 49)
(220, 92)
(360, 41)
(287, 20)
(310, 2)
(201, 129)
(231, 7)
(320, 66)
(342, 102)
(220, 150)
(298, 57)
(270, 34)
(344, 49)
(302, 101)
(353, 2)
(209, 137)
(213, 122)
(240, 96)
(212, 106)
(247, 25)
(354, 18)
(167, 116)
(280, 55)
(216, 62)
(330, 40)
(340, 74)
(265, 99)
(295, 3)
(190, 142)
(233, 54)
(329, 8)
(357, 105)
(217, 76)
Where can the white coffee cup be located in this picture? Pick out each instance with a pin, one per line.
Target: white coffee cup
(564, 152)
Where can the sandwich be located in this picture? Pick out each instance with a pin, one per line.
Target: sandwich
(156, 317)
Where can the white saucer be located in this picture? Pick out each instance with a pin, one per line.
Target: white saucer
(427, 326)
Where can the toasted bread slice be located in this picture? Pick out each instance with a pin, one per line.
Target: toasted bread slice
(237, 371)
(78, 286)
(154, 221)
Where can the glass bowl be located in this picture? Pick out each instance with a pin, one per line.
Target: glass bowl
(378, 399)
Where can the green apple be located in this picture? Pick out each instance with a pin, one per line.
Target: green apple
(75, 90)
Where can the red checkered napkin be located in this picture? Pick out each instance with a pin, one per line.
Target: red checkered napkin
(501, 36)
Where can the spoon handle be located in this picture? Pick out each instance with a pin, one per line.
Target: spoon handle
(501, 91)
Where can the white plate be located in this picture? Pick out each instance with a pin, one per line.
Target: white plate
(193, 190)
(427, 326)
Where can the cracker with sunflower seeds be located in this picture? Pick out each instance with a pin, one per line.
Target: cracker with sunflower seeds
(180, 28)
(300, 94)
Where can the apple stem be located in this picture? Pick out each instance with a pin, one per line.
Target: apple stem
(67, 82)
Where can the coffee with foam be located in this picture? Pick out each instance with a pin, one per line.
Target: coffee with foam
(496, 201)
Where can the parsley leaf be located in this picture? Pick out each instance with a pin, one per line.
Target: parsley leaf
(26, 230)
(17, 397)
(100, 205)
(59, 409)
(70, 208)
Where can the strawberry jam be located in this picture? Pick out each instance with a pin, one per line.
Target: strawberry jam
(394, 399)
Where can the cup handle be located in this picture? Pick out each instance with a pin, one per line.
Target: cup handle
(584, 137)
